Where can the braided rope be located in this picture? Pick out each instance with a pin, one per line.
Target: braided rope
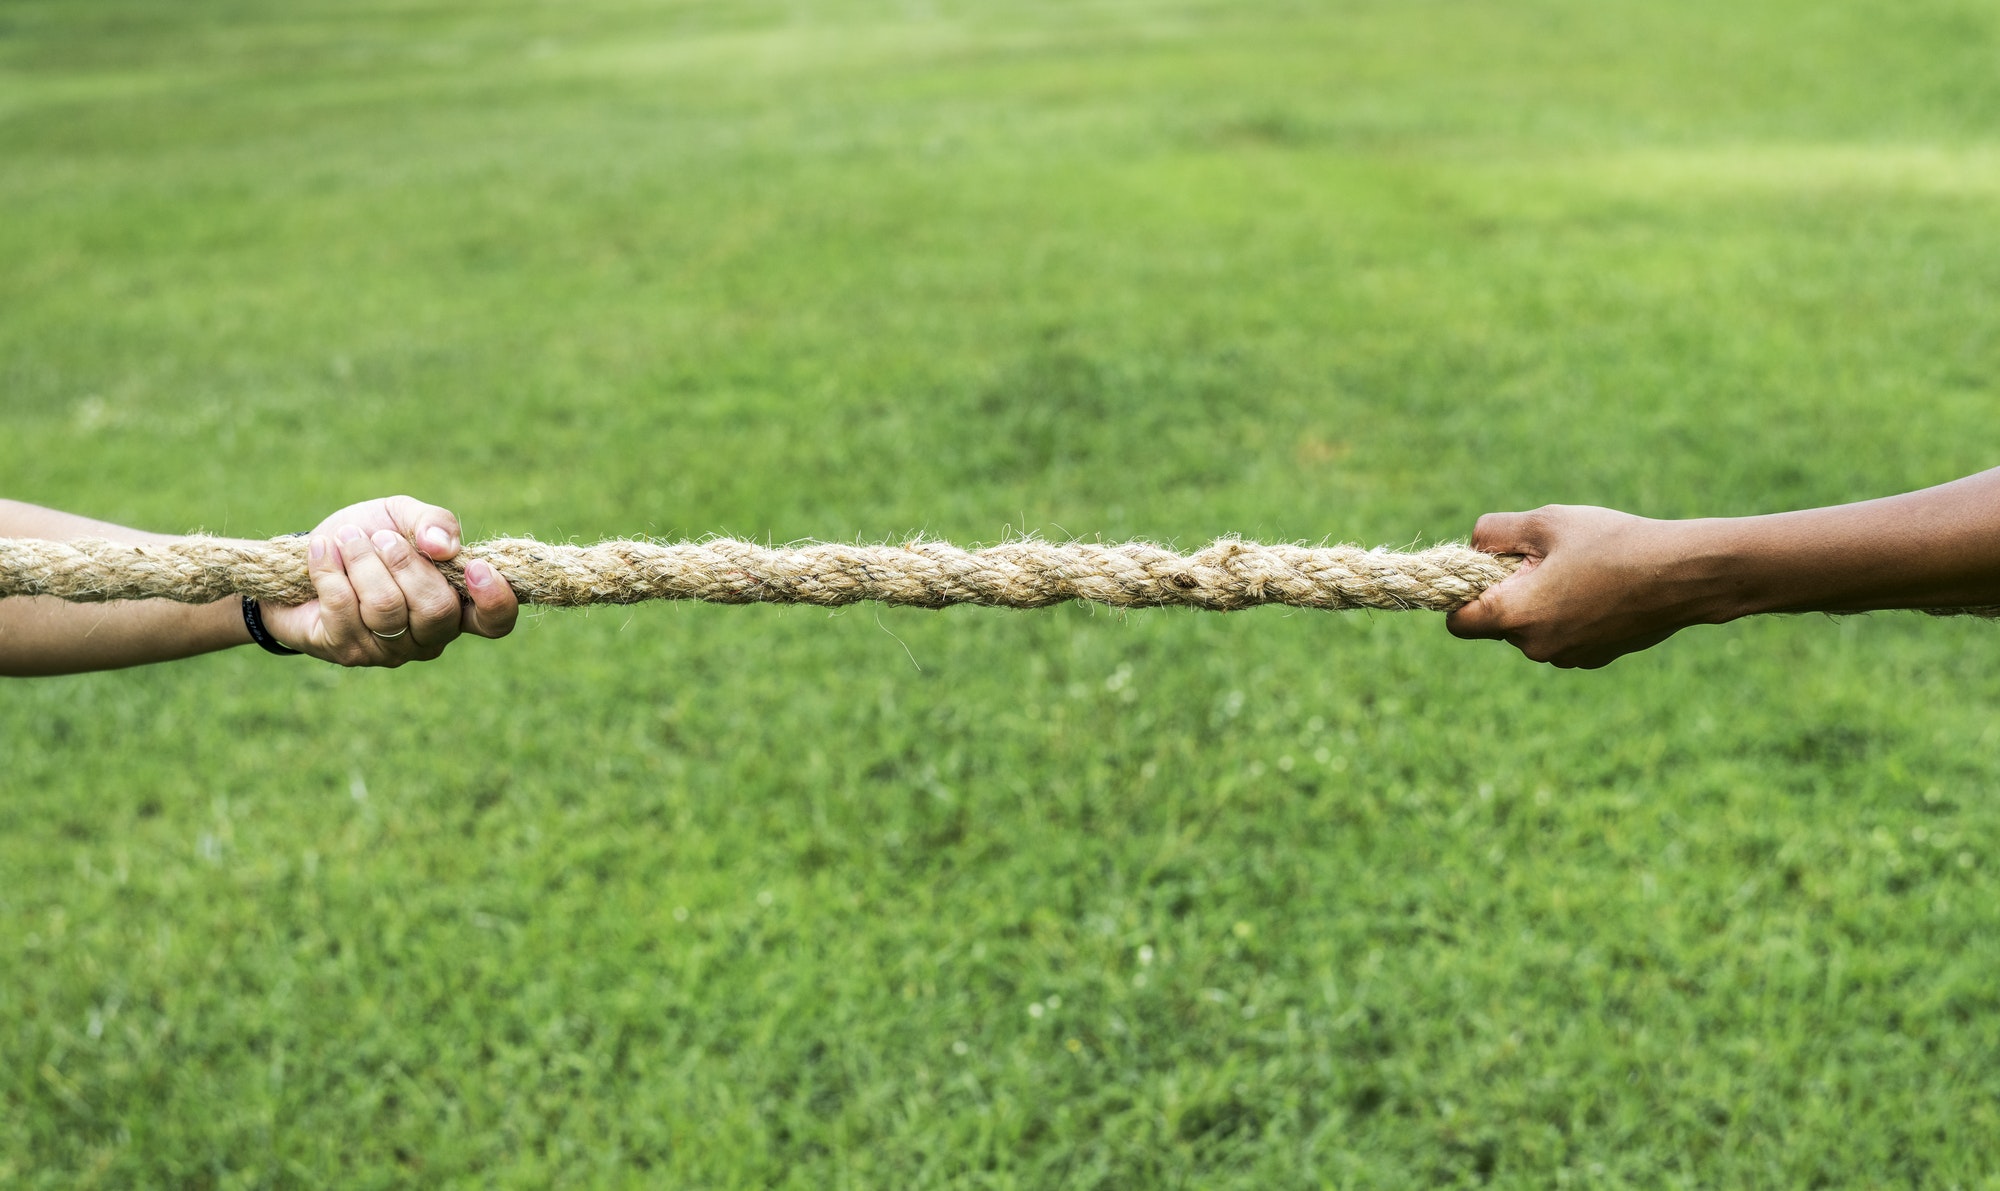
(1226, 575)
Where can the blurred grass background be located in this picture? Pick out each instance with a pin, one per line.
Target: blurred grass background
(762, 896)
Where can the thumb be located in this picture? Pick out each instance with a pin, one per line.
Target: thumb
(435, 530)
(1485, 618)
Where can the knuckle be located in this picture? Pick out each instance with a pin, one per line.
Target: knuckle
(436, 610)
(398, 509)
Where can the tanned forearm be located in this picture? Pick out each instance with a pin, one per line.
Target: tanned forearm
(41, 636)
(1936, 548)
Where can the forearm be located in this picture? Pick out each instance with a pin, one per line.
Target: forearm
(1935, 548)
(40, 636)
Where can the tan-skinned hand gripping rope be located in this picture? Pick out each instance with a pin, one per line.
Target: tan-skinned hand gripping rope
(1226, 575)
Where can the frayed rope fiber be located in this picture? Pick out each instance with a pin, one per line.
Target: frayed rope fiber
(1226, 575)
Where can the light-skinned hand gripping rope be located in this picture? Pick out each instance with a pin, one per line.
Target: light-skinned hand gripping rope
(1226, 575)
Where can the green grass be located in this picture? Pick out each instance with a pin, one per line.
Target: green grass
(719, 897)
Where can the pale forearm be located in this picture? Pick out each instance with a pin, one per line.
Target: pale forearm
(18, 520)
(46, 636)
(42, 636)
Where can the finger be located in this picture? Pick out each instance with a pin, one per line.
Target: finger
(335, 636)
(430, 603)
(1506, 533)
(494, 609)
(382, 610)
(435, 531)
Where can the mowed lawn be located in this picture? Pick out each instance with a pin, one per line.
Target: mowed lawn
(724, 897)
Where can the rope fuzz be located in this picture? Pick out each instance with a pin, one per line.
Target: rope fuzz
(1226, 575)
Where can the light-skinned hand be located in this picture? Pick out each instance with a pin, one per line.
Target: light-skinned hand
(382, 603)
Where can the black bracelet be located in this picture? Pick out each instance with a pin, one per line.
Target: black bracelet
(253, 619)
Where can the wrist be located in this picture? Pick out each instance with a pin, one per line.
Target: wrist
(1726, 560)
(1700, 573)
(208, 627)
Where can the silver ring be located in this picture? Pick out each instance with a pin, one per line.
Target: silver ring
(392, 636)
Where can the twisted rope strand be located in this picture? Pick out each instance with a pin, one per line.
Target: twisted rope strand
(1226, 575)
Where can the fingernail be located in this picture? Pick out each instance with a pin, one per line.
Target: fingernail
(316, 548)
(478, 574)
(348, 534)
(388, 542)
(437, 539)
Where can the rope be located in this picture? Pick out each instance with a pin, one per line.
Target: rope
(1226, 575)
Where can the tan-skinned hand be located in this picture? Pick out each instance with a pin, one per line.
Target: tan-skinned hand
(382, 603)
(1596, 584)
